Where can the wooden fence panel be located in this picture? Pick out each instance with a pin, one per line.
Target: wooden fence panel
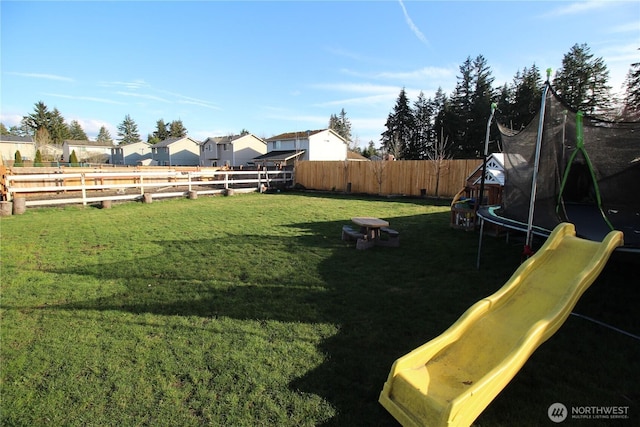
(405, 177)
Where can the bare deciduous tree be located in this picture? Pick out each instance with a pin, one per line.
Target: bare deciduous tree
(439, 152)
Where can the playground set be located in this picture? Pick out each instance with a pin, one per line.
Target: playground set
(566, 179)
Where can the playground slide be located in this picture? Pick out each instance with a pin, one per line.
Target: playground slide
(450, 380)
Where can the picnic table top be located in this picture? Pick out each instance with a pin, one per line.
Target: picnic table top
(369, 222)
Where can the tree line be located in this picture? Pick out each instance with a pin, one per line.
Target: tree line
(445, 126)
(454, 126)
(49, 127)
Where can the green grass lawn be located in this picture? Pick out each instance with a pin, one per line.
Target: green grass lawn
(251, 311)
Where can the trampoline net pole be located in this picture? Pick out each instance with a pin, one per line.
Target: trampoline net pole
(536, 163)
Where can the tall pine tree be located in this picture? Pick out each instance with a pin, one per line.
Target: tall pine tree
(128, 131)
(471, 107)
(423, 116)
(104, 136)
(582, 81)
(76, 132)
(400, 128)
(341, 125)
(631, 107)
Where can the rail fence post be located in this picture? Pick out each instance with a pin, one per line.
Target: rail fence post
(84, 190)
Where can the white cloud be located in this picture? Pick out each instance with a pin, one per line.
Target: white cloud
(300, 118)
(200, 104)
(131, 85)
(43, 76)
(576, 8)
(92, 126)
(385, 98)
(625, 28)
(413, 26)
(10, 119)
(357, 87)
(143, 96)
(86, 98)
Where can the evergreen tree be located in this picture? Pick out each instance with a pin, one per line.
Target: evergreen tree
(423, 115)
(370, 151)
(582, 81)
(177, 129)
(471, 106)
(524, 99)
(104, 136)
(128, 131)
(400, 128)
(631, 107)
(483, 97)
(58, 129)
(461, 102)
(73, 158)
(38, 159)
(504, 104)
(4, 130)
(341, 125)
(76, 132)
(21, 130)
(442, 116)
(160, 134)
(17, 159)
(40, 118)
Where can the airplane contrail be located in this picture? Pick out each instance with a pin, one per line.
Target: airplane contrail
(413, 26)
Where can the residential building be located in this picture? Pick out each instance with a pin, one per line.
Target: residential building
(176, 152)
(131, 154)
(9, 144)
(323, 144)
(232, 150)
(87, 151)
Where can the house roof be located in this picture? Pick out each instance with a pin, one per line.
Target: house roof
(294, 135)
(133, 143)
(87, 143)
(352, 155)
(278, 156)
(228, 138)
(16, 138)
(495, 171)
(169, 141)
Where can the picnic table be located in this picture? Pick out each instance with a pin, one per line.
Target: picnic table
(370, 232)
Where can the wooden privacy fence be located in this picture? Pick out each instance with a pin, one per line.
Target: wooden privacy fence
(71, 185)
(403, 177)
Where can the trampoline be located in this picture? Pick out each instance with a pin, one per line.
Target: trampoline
(568, 167)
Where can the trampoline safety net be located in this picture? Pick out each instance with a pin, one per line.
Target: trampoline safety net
(612, 159)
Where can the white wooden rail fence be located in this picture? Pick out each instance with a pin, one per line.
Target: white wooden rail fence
(218, 181)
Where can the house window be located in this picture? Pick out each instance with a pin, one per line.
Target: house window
(224, 147)
(277, 145)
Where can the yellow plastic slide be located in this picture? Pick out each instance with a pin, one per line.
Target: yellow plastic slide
(451, 379)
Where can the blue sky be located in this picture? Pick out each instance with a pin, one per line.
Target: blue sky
(273, 67)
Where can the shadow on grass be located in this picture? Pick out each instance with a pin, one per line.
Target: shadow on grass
(387, 301)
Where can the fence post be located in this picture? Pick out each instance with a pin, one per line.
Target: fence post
(84, 190)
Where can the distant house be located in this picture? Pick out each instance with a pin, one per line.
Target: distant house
(353, 156)
(9, 144)
(131, 154)
(323, 144)
(176, 152)
(50, 152)
(87, 151)
(232, 150)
